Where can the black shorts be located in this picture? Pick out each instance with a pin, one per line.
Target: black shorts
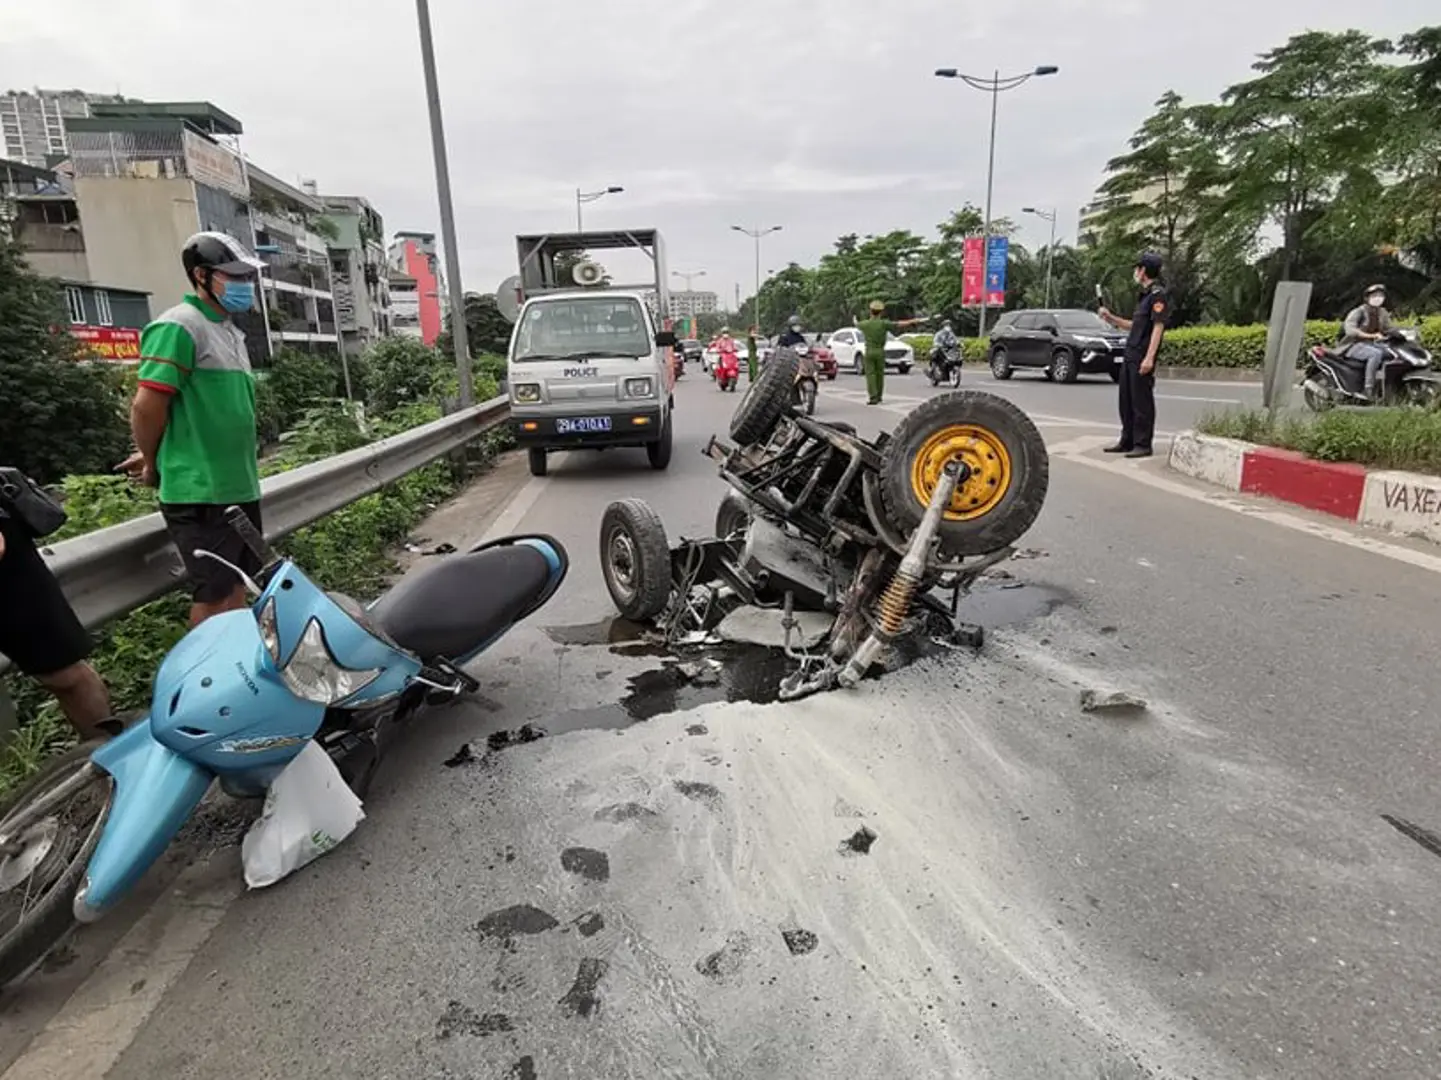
(39, 630)
(203, 525)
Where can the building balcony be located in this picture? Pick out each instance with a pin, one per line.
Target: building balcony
(42, 236)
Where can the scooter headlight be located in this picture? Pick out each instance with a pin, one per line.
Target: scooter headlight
(269, 632)
(312, 672)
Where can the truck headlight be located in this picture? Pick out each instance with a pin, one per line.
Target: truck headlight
(639, 387)
(526, 393)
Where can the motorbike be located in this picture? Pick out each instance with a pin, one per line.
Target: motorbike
(236, 700)
(945, 366)
(805, 386)
(1405, 378)
(727, 371)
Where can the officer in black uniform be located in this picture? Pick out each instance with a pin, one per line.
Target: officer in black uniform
(1138, 372)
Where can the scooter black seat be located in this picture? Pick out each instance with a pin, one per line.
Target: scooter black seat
(459, 603)
(1339, 355)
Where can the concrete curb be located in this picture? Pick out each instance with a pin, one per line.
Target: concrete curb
(1167, 371)
(1408, 504)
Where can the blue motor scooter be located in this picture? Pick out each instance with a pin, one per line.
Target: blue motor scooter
(236, 700)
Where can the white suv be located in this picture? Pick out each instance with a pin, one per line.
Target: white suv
(849, 348)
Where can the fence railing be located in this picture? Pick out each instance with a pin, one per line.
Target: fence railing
(111, 571)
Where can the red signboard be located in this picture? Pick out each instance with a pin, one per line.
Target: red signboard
(115, 344)
(973, 272)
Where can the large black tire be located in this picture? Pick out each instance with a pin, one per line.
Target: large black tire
(1064, 366)
(1000, 364)
(537, 461)
(635, 559)
(1007, 456)
(658, 452)
(732, 516)
(52, 918)
(767, 399)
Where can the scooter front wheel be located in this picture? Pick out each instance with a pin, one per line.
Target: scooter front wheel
(45, 855)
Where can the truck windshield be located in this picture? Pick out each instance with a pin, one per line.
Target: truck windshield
(585, 326)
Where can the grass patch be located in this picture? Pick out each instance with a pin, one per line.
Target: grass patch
(1383, 438)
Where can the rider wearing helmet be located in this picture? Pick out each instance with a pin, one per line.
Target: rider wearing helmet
(1365, 326)
(193, 418)
(792, 335)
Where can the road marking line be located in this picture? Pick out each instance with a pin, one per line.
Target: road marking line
(1189, 397)
(1079, 450)
(101, 1019)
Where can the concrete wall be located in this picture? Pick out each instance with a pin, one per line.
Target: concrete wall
(68, 265)
(134, 230)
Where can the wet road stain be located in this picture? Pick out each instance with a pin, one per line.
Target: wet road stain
(700, 792)
(583, 997)
(463, 756)
(507, 923)
(612, 631)
(590, 924)
(526, 733)
(1425, 837)
(524, 1069)
(460, 1019)
(859, 842)
(587, 862)
(800, 942)
(622, 812)
(742, 673)
(697, 729)
(1009, 603)
(727, 960)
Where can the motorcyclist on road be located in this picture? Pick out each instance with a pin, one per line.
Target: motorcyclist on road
(792, 335)
(945, 341)
(1366, 325)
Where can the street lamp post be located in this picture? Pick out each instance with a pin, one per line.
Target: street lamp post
(583, 197)
(458, 335)
(687, 276)
(756, 234)
(1046, 215)
(994, 85)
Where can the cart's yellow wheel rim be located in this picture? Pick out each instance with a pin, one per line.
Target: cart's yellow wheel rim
(982, 451)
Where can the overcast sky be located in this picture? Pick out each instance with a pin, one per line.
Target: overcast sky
(819, 115)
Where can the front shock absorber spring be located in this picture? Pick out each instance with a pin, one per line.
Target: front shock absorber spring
(895, 602)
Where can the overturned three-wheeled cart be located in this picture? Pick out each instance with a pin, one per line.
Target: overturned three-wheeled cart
(876, 539)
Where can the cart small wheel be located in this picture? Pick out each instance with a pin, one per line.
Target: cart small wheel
(1009, 470)
(732, 517)
(635, 559)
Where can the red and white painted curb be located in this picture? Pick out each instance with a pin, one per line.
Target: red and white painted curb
(1401, 502)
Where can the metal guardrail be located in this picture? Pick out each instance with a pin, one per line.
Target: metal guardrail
(114, 570)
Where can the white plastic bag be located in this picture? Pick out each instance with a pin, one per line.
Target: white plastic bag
(308, 810)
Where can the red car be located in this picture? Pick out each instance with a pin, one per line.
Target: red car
(825, 360)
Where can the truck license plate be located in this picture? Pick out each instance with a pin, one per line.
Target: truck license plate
(582, 424)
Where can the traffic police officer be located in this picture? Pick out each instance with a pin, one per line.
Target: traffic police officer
(1138, 372)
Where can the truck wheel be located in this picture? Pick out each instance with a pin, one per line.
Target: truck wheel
(767, 399)
(1010, 470)
(635, 559)
(659, 451)
(537, 461)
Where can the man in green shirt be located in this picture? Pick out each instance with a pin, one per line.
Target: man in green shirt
(876, 330)
(193, 419)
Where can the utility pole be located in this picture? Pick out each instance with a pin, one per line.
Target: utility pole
(993, 86)
(755, 234)
(582, 197)
(458, 335)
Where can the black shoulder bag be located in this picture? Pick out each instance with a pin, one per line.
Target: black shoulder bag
(30, 504)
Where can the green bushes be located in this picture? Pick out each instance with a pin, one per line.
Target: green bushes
(1384, 438)
(972, 349)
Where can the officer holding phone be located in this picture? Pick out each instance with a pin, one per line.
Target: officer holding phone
(1146, 326)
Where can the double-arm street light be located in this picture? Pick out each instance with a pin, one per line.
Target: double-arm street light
(993, 86)
(1046, 215)
(687, 276)
(756, 234)
(583, 197)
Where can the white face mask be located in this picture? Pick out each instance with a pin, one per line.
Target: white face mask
(1375, 301)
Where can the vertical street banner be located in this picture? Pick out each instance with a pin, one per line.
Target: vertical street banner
(996, 271)
(973, 273)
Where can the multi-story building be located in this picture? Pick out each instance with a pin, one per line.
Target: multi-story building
(1088, 228)
(291, 233)
(358, 270)
(685, 304)
(32, 124)
(415, 287)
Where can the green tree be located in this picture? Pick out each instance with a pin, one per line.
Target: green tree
(1413, 154)
(401, 371)
(61, 416)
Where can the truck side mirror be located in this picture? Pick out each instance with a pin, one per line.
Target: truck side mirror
(665, 338)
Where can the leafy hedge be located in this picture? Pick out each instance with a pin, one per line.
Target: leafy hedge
(1384, 438)
(1208, 346)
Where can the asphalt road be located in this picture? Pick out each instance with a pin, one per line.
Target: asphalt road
(656, 889)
